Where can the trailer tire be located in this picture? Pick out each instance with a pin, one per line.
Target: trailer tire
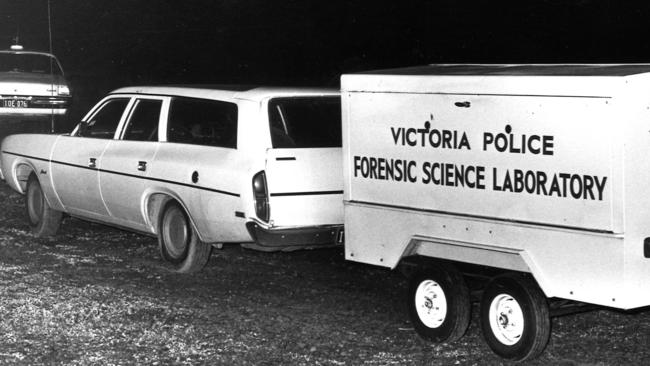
(515, 317)
(439, 304)
(42, 219)
(178, 241)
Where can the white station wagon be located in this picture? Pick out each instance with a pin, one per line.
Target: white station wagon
(194, 166)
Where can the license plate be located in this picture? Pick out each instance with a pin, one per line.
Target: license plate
(14, 103)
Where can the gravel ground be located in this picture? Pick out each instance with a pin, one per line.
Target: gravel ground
(97, 295)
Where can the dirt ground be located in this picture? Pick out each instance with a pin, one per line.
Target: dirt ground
(97, 295)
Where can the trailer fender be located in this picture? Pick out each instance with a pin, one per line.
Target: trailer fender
(481, 254)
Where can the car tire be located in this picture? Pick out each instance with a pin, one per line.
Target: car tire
(515, 317)
(42, 219)
(178, 241)
(439, 303)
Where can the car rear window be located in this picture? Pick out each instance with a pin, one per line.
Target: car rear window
(29, 62)
(202, 122)
(305, 122)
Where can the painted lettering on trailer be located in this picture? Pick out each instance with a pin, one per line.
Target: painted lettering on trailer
(513, 179)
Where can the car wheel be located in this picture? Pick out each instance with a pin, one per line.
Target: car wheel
(439, 303)
(43, 220)
(178, 241)
(515, 317)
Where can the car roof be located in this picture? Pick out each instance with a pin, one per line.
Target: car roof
(226, 91)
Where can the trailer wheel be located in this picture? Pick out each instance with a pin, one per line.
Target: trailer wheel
(439, 304)
(43, 220)
(179, 244)
(515, 317)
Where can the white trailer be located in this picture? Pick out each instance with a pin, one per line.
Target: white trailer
(539, 173)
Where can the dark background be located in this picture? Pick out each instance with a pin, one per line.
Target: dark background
(103, 45)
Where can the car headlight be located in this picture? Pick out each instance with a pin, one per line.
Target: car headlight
(63, 90)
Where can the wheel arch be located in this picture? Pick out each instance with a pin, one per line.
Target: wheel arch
(153, 202)
(22, 169)
(422, 251)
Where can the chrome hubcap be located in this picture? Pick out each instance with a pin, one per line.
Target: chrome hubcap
(176, 232)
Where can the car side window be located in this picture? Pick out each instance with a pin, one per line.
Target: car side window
(202, 122)
(142, 123)
(104, 122)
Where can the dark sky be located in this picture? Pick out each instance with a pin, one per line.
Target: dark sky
(107, 44)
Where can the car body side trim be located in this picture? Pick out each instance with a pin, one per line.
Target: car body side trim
(124, 174)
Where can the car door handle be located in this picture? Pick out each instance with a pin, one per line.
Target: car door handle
(92, 163)
(142, 166)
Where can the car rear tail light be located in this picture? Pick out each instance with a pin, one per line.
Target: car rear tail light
(261, 197)
(63, 90)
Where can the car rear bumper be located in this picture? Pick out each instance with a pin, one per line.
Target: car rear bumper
(310, 236)
(16, 112)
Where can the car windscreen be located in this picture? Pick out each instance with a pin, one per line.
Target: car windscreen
(300, 122)
(29, 62)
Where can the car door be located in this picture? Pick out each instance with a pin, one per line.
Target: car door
(127, 160)
(200, 163)
(75, 159)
